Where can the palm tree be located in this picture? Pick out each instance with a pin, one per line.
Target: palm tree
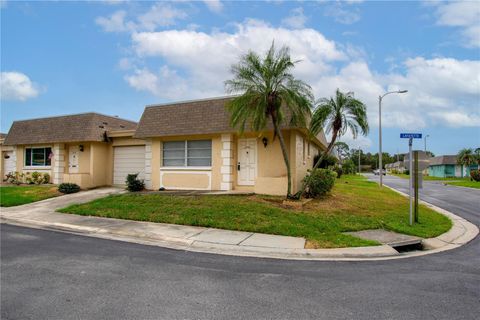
(466, 157)
(268, 92)
(337, 115)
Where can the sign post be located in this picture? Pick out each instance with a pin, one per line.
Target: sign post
(410, 137)
(416, 186)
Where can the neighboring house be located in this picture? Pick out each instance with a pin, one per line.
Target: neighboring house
(191, 145)
(397, 166)
(446, 166)
(72, 148)
(186, 145)
(7, 164)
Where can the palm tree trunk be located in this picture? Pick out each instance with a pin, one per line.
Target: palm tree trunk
(329, 148)
(278, 132)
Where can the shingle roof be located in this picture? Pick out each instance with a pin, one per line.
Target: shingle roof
(186, 118)
(71, 128)
(448, 159)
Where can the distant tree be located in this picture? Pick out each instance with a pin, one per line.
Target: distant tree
(477, 156)
(466, 157)
(342, 150)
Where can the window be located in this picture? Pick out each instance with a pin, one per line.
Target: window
(191, 153)
(38, 157)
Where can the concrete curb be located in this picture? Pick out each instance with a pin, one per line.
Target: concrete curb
(461, 233)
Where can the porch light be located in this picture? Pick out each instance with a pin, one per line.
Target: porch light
(265, 141)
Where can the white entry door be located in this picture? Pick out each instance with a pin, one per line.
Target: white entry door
(8, 162)
(73, 154)
(247, 162)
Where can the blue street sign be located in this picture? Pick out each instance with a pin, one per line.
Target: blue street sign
(411, 135)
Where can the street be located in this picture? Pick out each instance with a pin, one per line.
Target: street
(53, 275)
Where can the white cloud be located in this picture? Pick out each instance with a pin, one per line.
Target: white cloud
(442, 91)
(204, 59)
(17, 86)
(159, 15)
(464, 15)
(115, 22)
(457, 118)
(342, 15)
(296, 19)
(214, 5)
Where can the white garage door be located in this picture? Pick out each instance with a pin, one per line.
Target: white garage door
(128, 160)
(8, 162)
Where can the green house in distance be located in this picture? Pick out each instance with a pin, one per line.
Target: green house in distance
(447, 167)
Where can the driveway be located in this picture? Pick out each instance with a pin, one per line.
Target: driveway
(55, 275)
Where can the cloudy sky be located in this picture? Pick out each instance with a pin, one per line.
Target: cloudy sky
(115, 57)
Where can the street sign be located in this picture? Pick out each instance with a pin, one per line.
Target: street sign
(411, 135)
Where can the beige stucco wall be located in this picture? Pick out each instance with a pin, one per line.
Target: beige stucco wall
(186, 178)
(94, 164)
(20, 155)
(182, 180)
(271, 170)
(127, 141)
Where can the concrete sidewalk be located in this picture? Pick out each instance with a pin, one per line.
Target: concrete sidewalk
(42, 215)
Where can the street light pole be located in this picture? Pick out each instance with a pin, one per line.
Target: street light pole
(425, 142)
(380, 154)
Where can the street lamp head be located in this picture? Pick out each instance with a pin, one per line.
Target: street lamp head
(402, 91)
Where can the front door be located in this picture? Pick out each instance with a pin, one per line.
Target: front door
(247, 162)
(73, 154)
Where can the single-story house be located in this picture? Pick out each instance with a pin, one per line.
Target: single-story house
(191, 145)
(73, 148)
(397, 166)
(178, 146)
(447, 166)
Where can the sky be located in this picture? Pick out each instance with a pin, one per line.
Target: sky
(115, 57)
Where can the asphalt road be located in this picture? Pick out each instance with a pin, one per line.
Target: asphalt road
(53, 275)
(464, 202)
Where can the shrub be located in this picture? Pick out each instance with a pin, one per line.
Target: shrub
(339, 171)
(46, 178)
(407, 172)
(320, 183)
(37, 178)
(475, 175)
(15, 177)
(68, 188)
(349, 167)
(133, 183)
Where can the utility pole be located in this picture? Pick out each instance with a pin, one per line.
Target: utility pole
(359, 153)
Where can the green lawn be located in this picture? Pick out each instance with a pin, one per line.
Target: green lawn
(17, 195)
(465, 183)
(355, 204)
